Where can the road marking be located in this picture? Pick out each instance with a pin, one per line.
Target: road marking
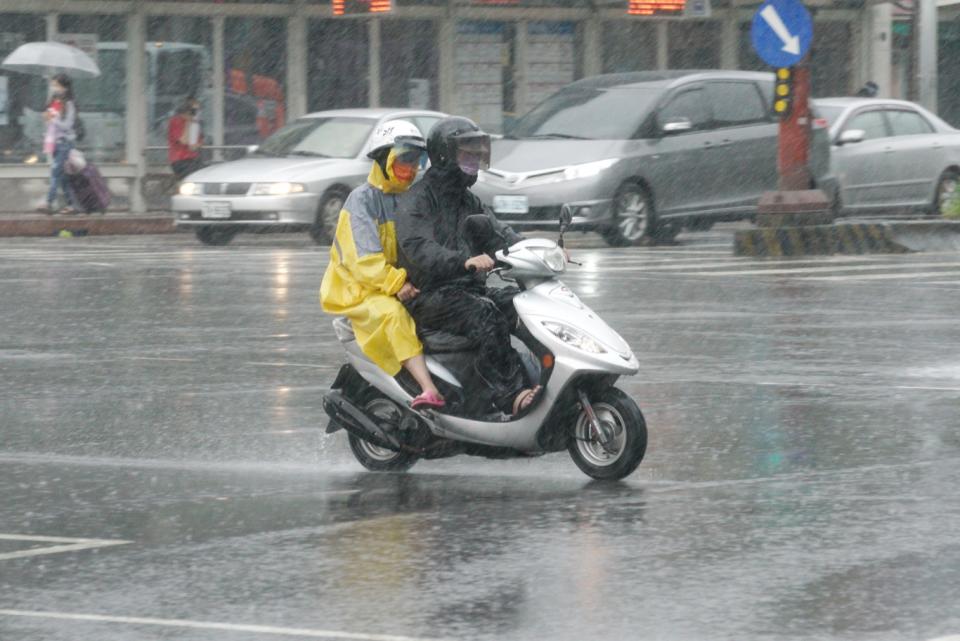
(901, 276)
(814, 270)
(212, 625)
(67, 545)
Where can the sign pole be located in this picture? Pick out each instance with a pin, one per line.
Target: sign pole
(793, 154)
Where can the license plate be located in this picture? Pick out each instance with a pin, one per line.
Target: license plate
(511, 205)
(215, 210)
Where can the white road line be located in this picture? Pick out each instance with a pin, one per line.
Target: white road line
(900, 276)
(820, 269)
(67, 545)
(310, 633)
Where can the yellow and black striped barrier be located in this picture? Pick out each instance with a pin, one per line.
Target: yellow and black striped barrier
(843, 238)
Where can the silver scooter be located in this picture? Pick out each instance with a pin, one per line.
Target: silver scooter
(565, 347)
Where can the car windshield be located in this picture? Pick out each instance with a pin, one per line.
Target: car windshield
(587, 113)
(337, 137)
(830, 112)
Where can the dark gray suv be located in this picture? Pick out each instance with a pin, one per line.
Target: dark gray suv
(638, 156)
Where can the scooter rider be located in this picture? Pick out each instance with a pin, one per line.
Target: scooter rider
(437, 256)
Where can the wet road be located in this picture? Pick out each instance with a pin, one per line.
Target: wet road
(165, 475)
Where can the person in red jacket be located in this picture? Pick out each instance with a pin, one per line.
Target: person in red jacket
(185, 138)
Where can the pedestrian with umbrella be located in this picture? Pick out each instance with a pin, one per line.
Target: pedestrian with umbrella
(58, 62)
(61, 135)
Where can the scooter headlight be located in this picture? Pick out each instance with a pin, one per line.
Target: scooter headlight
(574, 337)
(555, 259)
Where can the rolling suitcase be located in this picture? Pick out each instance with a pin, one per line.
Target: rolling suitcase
(90, 189)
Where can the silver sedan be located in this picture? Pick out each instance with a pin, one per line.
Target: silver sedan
(890, 156)
(297, 179)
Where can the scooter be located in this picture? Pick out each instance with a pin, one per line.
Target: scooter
(565, 347)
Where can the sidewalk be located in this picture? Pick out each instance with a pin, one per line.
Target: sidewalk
(113, 223)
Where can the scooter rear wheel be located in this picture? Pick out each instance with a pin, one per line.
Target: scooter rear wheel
(623, 451)
(376, 458)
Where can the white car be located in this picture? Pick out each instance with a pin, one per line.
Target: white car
(297, 179)
(890, 156)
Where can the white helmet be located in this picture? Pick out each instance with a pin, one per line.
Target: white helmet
(395, 132)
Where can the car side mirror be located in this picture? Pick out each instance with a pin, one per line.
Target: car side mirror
(252, 149)
(851, 136)
(676, 126)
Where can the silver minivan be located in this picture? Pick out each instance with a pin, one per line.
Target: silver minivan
(639, 156)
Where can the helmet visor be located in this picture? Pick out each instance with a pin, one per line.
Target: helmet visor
(409, 155)
(473, 153)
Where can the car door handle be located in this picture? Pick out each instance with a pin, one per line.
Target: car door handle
(888, 150)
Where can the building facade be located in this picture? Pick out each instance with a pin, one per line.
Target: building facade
(256, 65)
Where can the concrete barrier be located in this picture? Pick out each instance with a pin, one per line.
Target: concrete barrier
(853, 237)
(84, 225)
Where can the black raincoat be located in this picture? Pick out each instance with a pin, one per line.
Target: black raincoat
(433, 248)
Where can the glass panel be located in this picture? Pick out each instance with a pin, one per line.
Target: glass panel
(408, 64)
(101, 101)
(908, 123)
(735, 103)
(872, 123)
(337, 75)
(830, 62)
(320, 137)
(255, 52)
(602, 114)
(694, 45)
(629, 45)
(180, 63)
(22, 97)
(690, 105)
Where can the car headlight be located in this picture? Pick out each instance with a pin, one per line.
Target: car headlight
(589, 169)
(189, 189)
(277, 189)
(554, 258)
(574, 337)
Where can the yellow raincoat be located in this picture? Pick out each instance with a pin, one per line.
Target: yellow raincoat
(361, 281)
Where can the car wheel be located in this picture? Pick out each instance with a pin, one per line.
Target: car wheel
(947, 191)
(216, 235)
(633, 221)
(325, 226)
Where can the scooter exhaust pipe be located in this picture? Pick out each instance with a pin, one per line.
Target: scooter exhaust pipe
(345, 414)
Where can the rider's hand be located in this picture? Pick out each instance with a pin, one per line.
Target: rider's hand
(407, 292)
(481, 263)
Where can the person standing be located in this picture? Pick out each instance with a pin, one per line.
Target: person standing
(185, 139)
(61, 118)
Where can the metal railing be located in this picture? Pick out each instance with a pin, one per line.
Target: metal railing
(157, 155)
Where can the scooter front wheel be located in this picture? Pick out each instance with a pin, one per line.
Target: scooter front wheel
(376, 458)
(624, 440)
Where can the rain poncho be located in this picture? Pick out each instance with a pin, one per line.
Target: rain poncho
(361, 281)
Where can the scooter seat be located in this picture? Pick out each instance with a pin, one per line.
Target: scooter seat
(438, 342)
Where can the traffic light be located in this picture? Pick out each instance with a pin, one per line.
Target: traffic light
(783, 92)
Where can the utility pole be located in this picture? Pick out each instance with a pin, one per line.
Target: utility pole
(926, 34)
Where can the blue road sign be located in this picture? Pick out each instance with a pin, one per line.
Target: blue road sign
(782, 31)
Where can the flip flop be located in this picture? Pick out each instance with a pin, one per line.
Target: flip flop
(525, 400)
(428, 400)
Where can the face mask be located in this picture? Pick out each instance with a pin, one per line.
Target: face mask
(403, 172)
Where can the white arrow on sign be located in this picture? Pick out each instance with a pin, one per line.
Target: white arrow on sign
(791, 44)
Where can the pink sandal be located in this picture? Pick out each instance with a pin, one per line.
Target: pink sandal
(428, 400)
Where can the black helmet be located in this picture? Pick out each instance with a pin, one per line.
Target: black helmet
(458, 142)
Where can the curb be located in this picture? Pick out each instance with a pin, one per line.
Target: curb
(848, 238)
(83, 225)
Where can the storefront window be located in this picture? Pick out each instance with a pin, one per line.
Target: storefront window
(694, 45)
(408, 64)
(629, 45)
(21, 137)
(338, 70)
(830, 59)
(256, 67)
(180, 63)
(101, 101)
(483, 71)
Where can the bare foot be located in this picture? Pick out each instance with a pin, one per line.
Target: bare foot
(525, 399)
